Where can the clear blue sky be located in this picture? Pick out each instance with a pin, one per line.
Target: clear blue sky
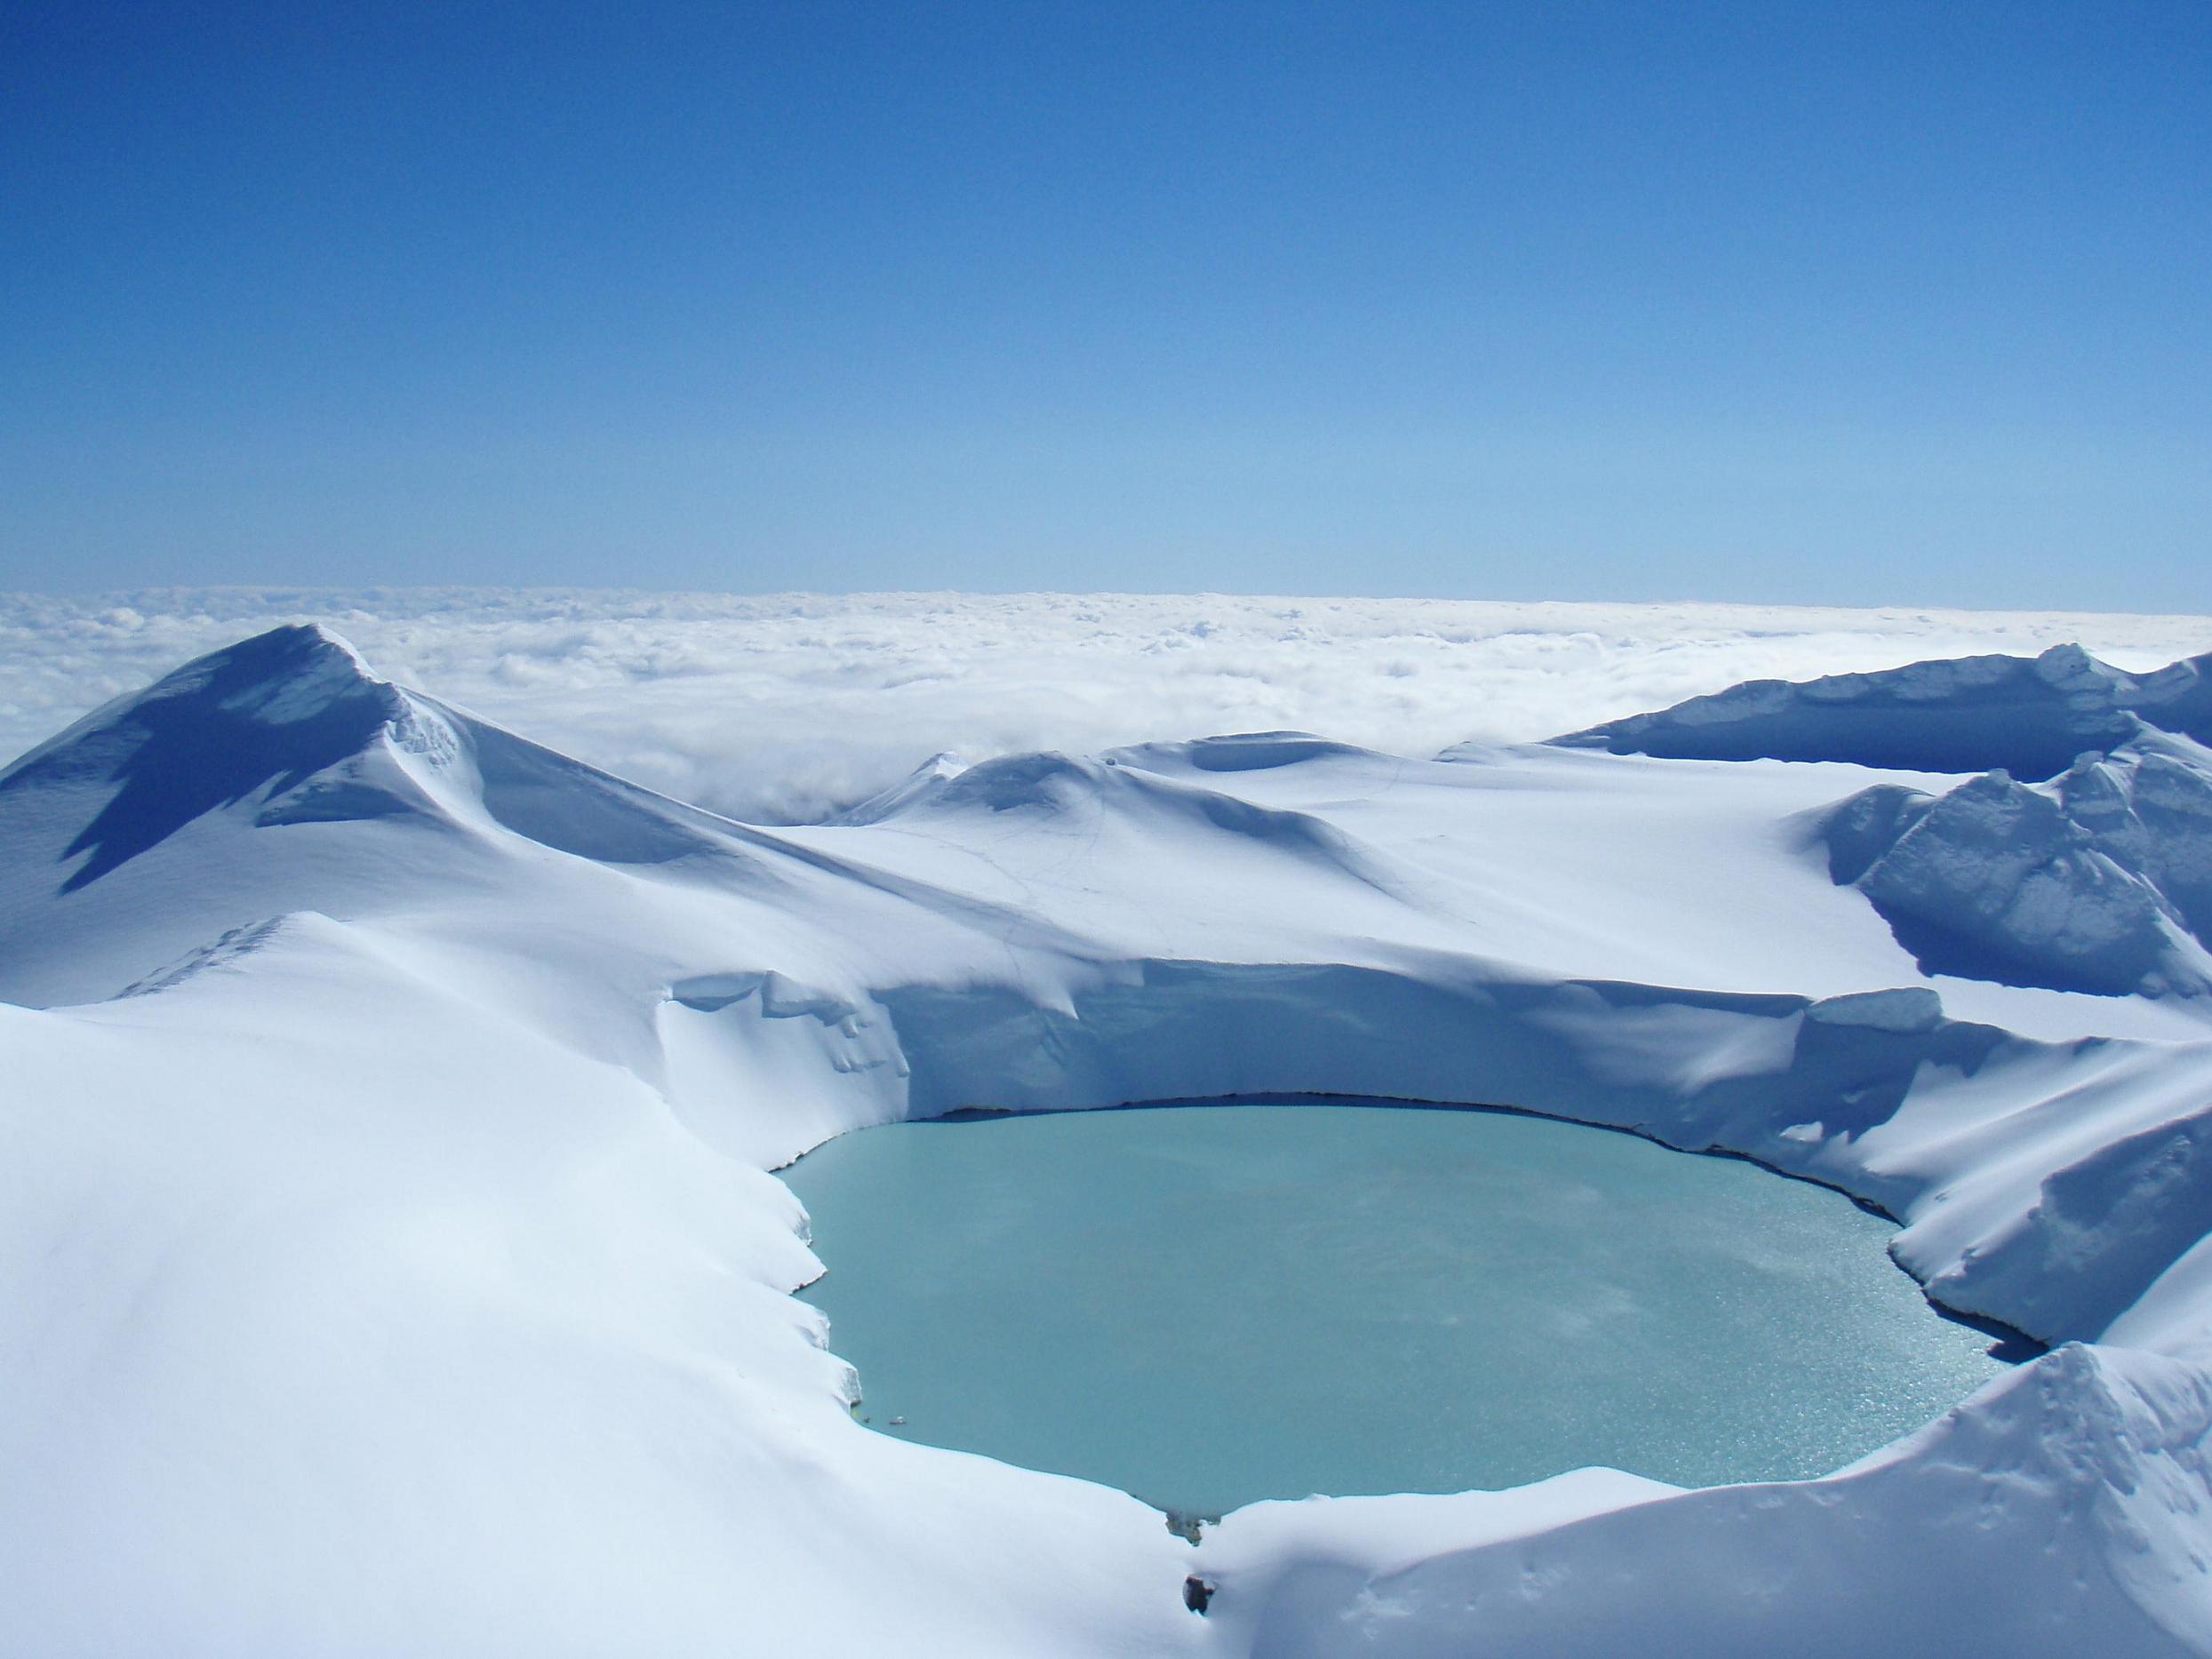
(1861, 303)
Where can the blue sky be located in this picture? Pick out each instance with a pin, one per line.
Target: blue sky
(1865, 303)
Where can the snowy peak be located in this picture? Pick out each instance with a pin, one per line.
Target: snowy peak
(293, 678)
(2028, 716)
(282, 775)
(288, 676)
(259, 717)
(292, 728)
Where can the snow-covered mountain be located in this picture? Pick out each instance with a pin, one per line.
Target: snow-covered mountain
(389, 1259)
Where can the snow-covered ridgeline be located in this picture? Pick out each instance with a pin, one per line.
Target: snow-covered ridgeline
(842, 695)
(396, 1266)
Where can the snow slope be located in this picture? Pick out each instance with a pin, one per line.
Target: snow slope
(389, 1261)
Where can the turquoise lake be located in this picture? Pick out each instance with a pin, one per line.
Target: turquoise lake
(1206, 1306)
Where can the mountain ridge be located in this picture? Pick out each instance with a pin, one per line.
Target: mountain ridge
(2030, 716)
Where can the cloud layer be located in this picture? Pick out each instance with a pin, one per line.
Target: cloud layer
(789, 707)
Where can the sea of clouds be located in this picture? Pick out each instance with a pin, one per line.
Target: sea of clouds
(786, 707)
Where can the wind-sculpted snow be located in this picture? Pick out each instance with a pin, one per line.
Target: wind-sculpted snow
(389, 1263)
(1978, 714)
(2148, 807)
(2096, 882)
(2076, 1460)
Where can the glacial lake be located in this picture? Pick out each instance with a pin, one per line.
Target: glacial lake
(1210, 1304)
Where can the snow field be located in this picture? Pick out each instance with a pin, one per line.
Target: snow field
(398, 1268)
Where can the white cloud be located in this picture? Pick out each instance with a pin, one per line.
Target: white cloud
(789, 705)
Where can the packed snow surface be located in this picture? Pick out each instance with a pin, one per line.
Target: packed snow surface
(1481, 1299)
(390, 1259)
